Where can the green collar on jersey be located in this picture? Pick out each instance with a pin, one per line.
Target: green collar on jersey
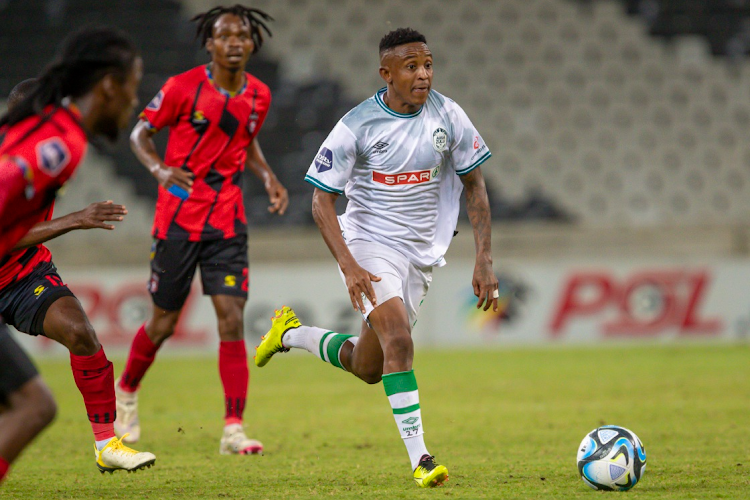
(381, 102)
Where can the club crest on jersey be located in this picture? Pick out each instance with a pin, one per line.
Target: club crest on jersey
(52, 156)
(155, 103)
(26, 171)
(324, 160)
(406, 178)
(252, 123)
(440, 140)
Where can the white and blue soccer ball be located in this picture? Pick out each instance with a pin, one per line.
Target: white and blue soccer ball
(611, 458)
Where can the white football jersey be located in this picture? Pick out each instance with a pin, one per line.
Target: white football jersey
(400, 173)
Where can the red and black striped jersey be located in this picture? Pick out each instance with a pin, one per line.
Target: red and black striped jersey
(36, 160)
(209, 133)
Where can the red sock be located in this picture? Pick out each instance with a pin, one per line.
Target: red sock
(142, 354)
(95, 378)
(4, 465)
(234, 376)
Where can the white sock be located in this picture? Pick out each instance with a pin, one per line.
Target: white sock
(101, 444)
(325, 344)
(403, 395)
(416, 449)
(304, 337)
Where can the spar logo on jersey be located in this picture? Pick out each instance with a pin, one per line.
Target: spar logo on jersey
(440, 140)
(155, 103)
(406, 178)
(52, 156)
(324, 160)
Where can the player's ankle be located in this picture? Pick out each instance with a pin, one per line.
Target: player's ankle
(232, 421)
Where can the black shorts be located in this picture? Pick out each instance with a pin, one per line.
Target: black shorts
(173, 262)
(24, 304)
(15, 366)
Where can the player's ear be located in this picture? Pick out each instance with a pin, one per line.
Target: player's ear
(385, 74)
(109, 86)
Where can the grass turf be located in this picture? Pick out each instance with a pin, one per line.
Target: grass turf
(506, 423)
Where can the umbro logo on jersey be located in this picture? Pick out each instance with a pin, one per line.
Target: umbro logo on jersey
(324, 160)
(380, 148)
(52, 156)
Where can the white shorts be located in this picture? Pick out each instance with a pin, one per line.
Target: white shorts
(398, 277)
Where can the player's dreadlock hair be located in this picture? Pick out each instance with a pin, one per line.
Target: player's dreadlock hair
(20, 91)
(256, 18)
(85, 57)
(400, 36)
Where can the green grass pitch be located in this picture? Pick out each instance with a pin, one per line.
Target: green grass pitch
(506, 423)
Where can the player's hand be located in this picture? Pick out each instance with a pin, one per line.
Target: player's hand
(278, 196)
(359, 283)
(98, 214)
(485, 284)
(169, 176)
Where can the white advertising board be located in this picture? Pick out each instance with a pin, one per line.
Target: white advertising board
(560, 303)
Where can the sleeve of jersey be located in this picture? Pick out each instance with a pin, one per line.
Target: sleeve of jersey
(332, 166)
(13, 183)
(164, 108)
(468, 149)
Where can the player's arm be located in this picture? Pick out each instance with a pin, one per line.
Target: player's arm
(277, 193)
(358, 280)
(478, 207)
(94, 216)
(142, 144)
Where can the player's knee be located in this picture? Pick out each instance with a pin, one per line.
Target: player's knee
(39, 406)
(230, 326)
(400, 346)
(46, 410)
(160, 329)
(81, 339)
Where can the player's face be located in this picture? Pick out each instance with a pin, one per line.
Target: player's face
(123, 101)
(409, 69)
(230, 45)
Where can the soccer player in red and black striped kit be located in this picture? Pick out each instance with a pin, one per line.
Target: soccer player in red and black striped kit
(213, 113)
(89, 89)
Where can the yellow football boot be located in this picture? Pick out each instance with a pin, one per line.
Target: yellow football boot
(117, 456)
(270, 344)
(428, 474)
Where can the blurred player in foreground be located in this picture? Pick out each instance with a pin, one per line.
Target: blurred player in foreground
(90, 88)
(403, 156)
(213, 113)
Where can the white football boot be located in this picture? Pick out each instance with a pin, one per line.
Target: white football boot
(235, 442)
(127, 424)
(117, 456)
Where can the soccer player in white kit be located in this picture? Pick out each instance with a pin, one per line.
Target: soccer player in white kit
(402, 157)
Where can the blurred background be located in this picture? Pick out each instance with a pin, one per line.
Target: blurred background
(619, 182)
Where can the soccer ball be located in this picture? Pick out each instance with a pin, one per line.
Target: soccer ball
(611, 458)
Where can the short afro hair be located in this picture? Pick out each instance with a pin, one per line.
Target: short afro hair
(400, 36)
